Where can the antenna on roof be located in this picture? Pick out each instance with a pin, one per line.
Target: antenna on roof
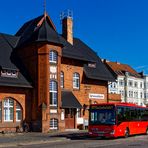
(66, 14)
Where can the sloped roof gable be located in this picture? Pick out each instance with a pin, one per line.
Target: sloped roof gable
(80, 51)
(121, 69)
(8, 61)
(38, 29)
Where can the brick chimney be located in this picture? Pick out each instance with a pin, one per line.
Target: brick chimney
(67, 28)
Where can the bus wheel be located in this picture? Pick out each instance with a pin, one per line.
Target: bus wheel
(146, 131)
(126, 133)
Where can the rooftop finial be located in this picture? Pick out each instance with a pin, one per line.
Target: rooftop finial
(44, 7)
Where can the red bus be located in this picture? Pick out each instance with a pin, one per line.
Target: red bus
(117, 119)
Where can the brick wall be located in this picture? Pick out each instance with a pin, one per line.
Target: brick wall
(114, 97)
(87, 86)
(36, 60)
(23, 97)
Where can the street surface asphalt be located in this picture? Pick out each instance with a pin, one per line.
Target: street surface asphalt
(79, 139)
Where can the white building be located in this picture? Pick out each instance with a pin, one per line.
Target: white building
(146, 88)
(129, 83)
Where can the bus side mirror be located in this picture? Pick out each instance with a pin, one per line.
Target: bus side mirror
(119, 122)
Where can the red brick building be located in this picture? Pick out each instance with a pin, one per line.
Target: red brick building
(48, 80)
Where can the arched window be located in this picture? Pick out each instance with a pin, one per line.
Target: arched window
(53, 93)
(62, 79)
(53, 123)
(53, 56)
(76, 81)
(8, 109)
(18, 112)
(11, 108)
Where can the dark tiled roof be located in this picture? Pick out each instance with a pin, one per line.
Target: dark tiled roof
(36, 30)
(7, 44)
(80, 51)
(71, 51)
(15, 82)
(98, 73)
(69, 100)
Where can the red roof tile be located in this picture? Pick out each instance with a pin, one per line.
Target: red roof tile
(120, 69)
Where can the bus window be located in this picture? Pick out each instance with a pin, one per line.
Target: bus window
(139, 111)
(133, 114)
(127, 114)
(92, 117)
(144, 116)
(120, 114)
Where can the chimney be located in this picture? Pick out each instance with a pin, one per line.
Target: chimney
(67, 26)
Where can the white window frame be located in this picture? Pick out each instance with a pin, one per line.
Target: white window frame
(130, 83)
(136, 84)
(53, 89)
(141, 85)
(53, 56)
(79, 113)
(76, 81)
(62, 79)
(7, 110)
(18, 109)
(54, 124)
(121, 83)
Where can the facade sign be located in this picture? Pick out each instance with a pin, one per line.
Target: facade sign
(53, 69)
(96, 96)
(53, 72)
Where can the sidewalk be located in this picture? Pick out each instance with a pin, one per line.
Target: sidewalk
(18, 139)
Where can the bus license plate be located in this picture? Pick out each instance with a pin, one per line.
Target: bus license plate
(100, 135)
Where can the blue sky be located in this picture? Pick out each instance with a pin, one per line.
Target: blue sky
(116, 29)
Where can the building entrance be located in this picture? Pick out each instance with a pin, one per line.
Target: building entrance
(70, 118)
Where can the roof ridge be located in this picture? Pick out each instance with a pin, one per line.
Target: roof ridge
(25, 26)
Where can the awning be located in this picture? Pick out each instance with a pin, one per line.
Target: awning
(69, 100)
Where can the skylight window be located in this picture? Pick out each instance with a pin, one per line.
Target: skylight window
(92, 65)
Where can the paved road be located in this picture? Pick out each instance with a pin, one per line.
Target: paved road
(78, 141)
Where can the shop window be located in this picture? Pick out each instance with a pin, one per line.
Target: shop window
(54, 123)
(76, 81)
(53, 93)
(53, 56)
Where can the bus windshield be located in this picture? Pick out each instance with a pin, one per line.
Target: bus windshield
(102, 116)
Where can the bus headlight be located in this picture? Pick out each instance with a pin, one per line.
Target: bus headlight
(112, 132)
